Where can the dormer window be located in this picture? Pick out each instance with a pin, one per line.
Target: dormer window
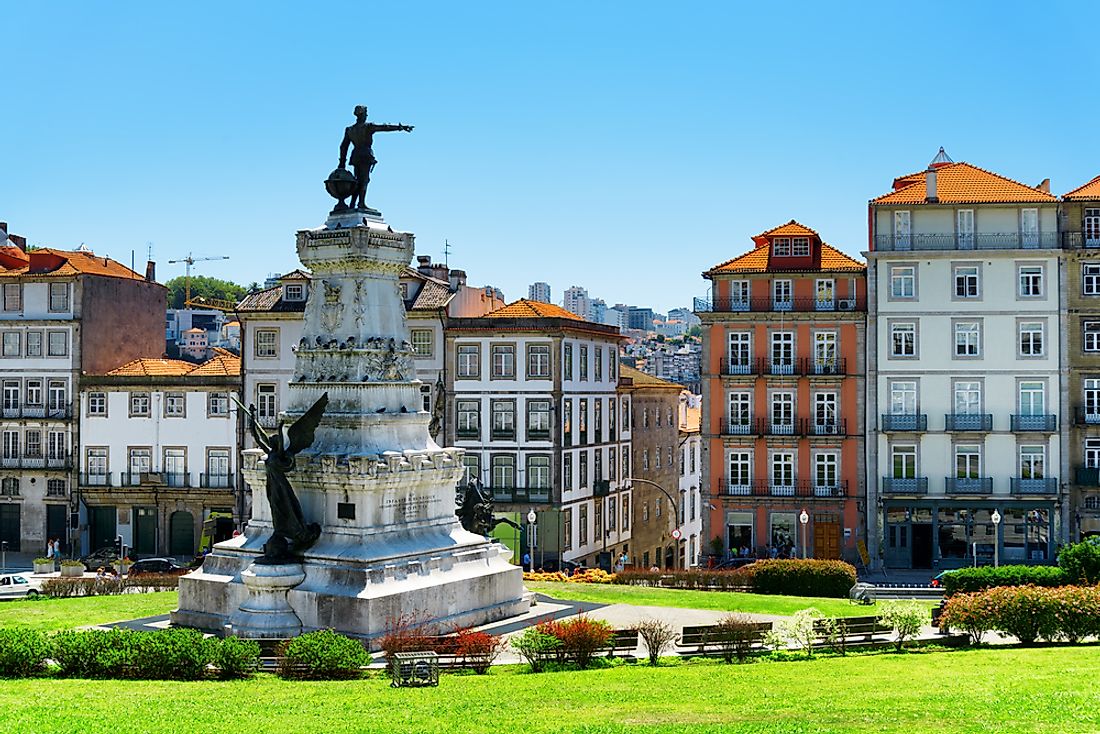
(294, 292)
(781, 246)
(800, 246)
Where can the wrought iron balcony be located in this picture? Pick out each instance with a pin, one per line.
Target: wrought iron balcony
(738, 366)
(1045, 423)
(1078, 240)
(36, 461)
(1088, 476)
(1087, 416)
(739, 427)
(968, 485)
(800, 304)
(965, 241)
(816, 366)
(968, 422)
(796, 488)
(48, 412)
(216, 481)
(905, 485)
(739, 489)
(521, 495)
(814, 427)
(95, 479)
(1046, 485)
(778, 366)
(904, 422)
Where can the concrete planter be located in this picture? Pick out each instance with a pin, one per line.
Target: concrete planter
(46, 567)
(72, 571)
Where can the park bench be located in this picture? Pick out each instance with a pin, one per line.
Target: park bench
(624, 644)
(854, 627)
(704, 640)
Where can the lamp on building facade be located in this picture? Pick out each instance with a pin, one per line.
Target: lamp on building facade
(803, 518)
(532, 518)
(996, 518)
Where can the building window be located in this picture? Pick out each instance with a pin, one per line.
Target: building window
(657, 458)
(97, 463)
(1033, 398)
(903, 398)
(11, 396)
(800, 246)
(538, 472)
(538, 420)
(503, 361)
(965, 221)
(58, 345)
(58, 396)
(267, 343)
(1030, 279)
(967, 339)
(740, 474)
(1032, 462)
(11, 444)
(504, 419)
(967, 281)
(9, 487)
(968, 398)
(612, 464)
(612, 433)
(34, 392)
(825, 294)
(471, 464)
(781, 246)
(825, 351)
(612, 513)
(55, 488)
(582, 469)
(740, 352)
(782, 295)
(597, 420)
(826, 473)
(598, 364)
(567, 470)
(34, 343)
(1091, 342)
(645, 459)
(1091, 388)
(626, 463)
(1029, 227)
(174, 405)
(1090, 277)
(825, 413)
(903, 339)
(903, 281)
(782, 414)
(504, 471)
(904, 461)
(426, 398)
(968, 461)
(139, 404)
(59, 297)
(294, 292)
(584, 362)
(582, 421)
(11, 344)
(626, 415)
(1031, 339)
(567, 421)
(13, 297)
(538, 361)
(469, 419)
(740, 413)
(782, 361)
(33, 444)
(582, 522)
(612, 363)
(217, 468)
(422, 342)
(567, 361)
(567, 528)
(267, 403)
(217, 403)
(626, 512)
(55, 445)
(782, 476)
(97, 403)
(902, 230)
(469, 361)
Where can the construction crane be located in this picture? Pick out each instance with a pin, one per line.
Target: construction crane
(190, 260)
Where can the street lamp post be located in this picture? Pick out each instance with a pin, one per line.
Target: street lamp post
(532, 518)
(803, 518)
(996, 518)
(675, 513)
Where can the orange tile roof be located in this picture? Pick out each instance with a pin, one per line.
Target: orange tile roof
(225, 363)
(1091, 190)
(962, 183)
(528, 309)
(642, 379)
(62, 263)
(146, 367)
(756, 261)
(790, 229)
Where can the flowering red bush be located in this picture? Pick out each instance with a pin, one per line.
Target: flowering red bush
(478, 649)
(1028, 613)
(972, 613)
(580, 638)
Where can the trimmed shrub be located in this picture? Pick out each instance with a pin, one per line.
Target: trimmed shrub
(1077, 613)
(536, 647)
(478, 650)
(906, 617)
(23, 652)
(94, 653)
(171, 654)
(965, 580)
(1025, 612)
(657, 635)
(972, 613)
(796, 577)
(734, 634)
(322, 655)
(731, 580)
(1081, 561)
(581, 637)
(236, 658)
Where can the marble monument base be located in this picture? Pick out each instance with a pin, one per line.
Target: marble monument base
(266, 612)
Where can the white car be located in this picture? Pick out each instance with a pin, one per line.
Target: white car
(17, 586)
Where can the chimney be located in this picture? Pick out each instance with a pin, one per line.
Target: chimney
(457, 279)
(423, 261)
(4, 228)
(19, 240)
(1044, 186)
(151, 271)
(930, 190)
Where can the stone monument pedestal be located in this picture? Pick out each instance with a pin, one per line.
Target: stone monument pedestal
(391, 547)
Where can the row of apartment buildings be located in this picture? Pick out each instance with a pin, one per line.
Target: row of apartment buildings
(901, 402)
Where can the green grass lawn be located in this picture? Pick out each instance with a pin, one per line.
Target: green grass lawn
(55, 614)
(1007, 690)
(732, 601)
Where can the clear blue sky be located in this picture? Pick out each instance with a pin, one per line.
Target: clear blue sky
(624, 147)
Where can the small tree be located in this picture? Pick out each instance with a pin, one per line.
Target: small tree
(657, 635)
(906, 617)
(1081, 561)
(801, 630)
(536, 647)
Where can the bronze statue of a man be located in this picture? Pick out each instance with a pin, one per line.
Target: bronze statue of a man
(361, 135)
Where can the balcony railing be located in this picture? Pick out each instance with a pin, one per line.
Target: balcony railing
(778, 366)
(905, 485)
(1035, 423)
(216, 481)
(467, 434)
(800, 304)
(795, 488)
(965, 241)
(521, 495)
(968, 485)
(968, 422)
(1088, 476)
(1087, 416)
(1077, 240)
(36, 461)
(57, 412)
(815, 366)
(814, 427)
(793, 427)
(904, 422)
(738, 366)
(1046, 485)
(783, 366)
(268, 421)
(94, 479)
(738, 427)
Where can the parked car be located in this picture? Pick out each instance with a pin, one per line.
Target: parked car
(102, 558)
(17, 586)
(731, 563)
(157, 565)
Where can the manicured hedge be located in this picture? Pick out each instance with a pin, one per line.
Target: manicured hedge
(172, 654)
(23, 652)
(807, 577)
(323, 655)
(1028, 613)
(966, 580)
(691, 579)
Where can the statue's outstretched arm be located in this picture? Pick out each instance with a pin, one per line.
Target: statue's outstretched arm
(392, 128)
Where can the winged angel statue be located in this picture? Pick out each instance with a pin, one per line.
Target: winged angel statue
(292, 533)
